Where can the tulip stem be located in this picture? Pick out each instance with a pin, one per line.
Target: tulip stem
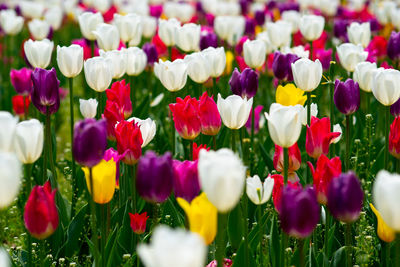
(348, 125)
(397, 240)
(387, 127)
(348, 244)
(284, 242)
(92, 48)
(221, 239)
(285, 164)
(171, 95)
(301, 251)
(233, 133)
(29, 245)
(49, 145)
(100, 108)
(308, 123)
(134, 188)
(252, 141)
(74, 183)
(260, 234)
(93, 216)
(26, 109)
(190, 149)
(245, 228)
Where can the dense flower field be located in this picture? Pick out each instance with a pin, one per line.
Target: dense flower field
(199, 133)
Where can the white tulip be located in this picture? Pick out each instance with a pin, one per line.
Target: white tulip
(359, 33)
(70, 60)
(88, 22)
(38, 53)
(8, 123)
(149, 24)
(337, 129)
(28, 141)
(385, 193)
(284, 124)
(258, 192)
(173, 247)
(230, 28)
(356, 5)
(136, 61)
(10, 22)
(280, 33)
(10, 178)
(167, 30)
(307, 74)
(293, 17)
(172, 75)
(363, 75)
(147, 128)
(311, 26)
(303, 113)
(102, 5)
(98, 73)
(198, 67)
(329, 7)
(129, 27)
(182, 11)
(254, 53)
(386, 86)
(263, 36)
(118, 60)
(217, 59)
(88, 108)
(222, 177)
(188, 37)
(297, 50)
(4, 258)
(234, 110)
(54, 17)
(32, 9)
(350, 55)
(107, 36)
(395, 18)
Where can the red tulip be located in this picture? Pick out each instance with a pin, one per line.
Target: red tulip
(18, 102)
(112, 115)
(326, 170)
(319, 137)
(40, 216)
(209, 115)
(120, 93)
(278, 187)
(196, 150)
(129, 141)
(394, 138)
(138, 222)
(294, 158)
(186, 117)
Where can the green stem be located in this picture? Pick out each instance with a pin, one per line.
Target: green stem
(387, 127)
(367, 102)
(332, 116)
(156, 208)
(308, 123)
(134, 188)
(130, 81)
(326, 236)
(100, 108)
(170, 53)
(398, 165)
(172, 100)
(49, 144)
(29, 247)
(348, 244)
(301, 252)
(284, 242)
(73, 178)
(26, 109)
(93, 217)
(92, 47)
(285, 164)
(190, 149)
(348, 132)
(252, 141)
(246, 229)
(397, 240)
(233, 134)
(260, 234)
(221, 239)
(103, 235)
(214, 142)
(385, 254)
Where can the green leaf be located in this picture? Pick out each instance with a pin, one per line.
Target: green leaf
(274, 242)
(240, 259)
(235, 227)
(75, 231)
(339, 257)
(254, 235)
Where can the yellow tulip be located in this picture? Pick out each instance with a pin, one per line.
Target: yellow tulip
(229, 59)
(290, 95)
(103, 175)
(202, 216)
(385, 233)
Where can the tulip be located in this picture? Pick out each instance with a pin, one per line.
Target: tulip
(347, 96)
(395, 109)
(38, 53)
(292, 17)
(102, 177)
(88, 108)
(229, 28)
(385, 233)
(70, 60)
(39, 29)
(88, 22)
(350, 55)
(197, 148)
(234, 110)
(217, 59)
(222, 177)
(186, 180)
(209, 115)
(10, 178)
(363, 74)
(10, 23)
(136, 61)
(319, 137)
(8, 125)
(202, 216)
(90, 142)
(257, 118)
(130, 27)
(118, 60)
(172, 75)
(307, 74)
(386, 86)
(155, 177)
(173, 247)
(98, 73)
(151, 52)
(149, 25)
(45, 94)
(112, 114)
(393, 46)
(394, 138)
(244, 84)
(325, 56)
(120, 94)
(185, 114)
(107, 36)
(21, 80)
(129, 141)
(138, 222)
(290, 95)
(311, 26)
(208, 39)
(198, 67)
(300, 212)
(167, 30)
(258, 192)
(359, 33)
(147, 129)
(279, 33)
(187, 37)
(32, 10)
(345, 197)
(254, 53)
(4, 258)
(263, 36)
(20, 105)
(227, 263)
(54, 16)
(294, 159)
(281, 66)
(41, 215)
(286, 134)
(28, 141)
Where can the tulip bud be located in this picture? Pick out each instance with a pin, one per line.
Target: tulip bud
(21, 80)
(340, 29)
(107, 36)
(234, 110)
(294, 158)
(307, 74)
(279, 33)
(282, 66)
(90, 142)
(209, 115)
(254, 53)
(347, 96)
(345, 197)
(386, 86)
(185, 113)
(88, 108)
(155, 177)
(28, 141)
(350, 55)
(136, 61)
(129, 141)
(325, 56)
(10, 178)
(31, 10)
(151, 52)
(319, 137)
(149, 25)
(54, 16)
(393, 46)
(188, 37)
(20, 105)
(186, 180)
(290, 95)
(112, 114)
(278, 187)
(129, 27)
(244, 84)
(359, 33)
(8, 125)
(259, 193)
(138, 222)
(167, 31)
(120, 94)
(38, 53)
(363, 75)
(222, 177)
(198, 67)
(39, 29)
(208, 39)
(70, 60)
(293, 17)
(45, 94)
(172, 75)
(229, 28)
(147, 129)
(394, 138)
(217, 60)
(88, 22)
(384, 232)
(41, 215)
(311, 26)
(98, 73)
(10, 23)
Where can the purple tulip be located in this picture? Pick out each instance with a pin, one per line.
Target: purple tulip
(208, 39)
(345, 197)
(299, 212)
(395, 109)
(244, 5)
(257, 113)
(347, 96)
(151, 53)
(90, 141)
(393, 46)
(250, 27)
(186, 179)
(155, 177)
(259, 17)
(286, 6)
(281, 66)
(244, 84)
(45, 94)
(21, 80)
(340, 29)
(325, 56)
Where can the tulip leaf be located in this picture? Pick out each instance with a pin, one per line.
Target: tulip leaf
(235, 227)
(111, 249)
(75, 231)
(339, 257)
(274, 242)
(267, 159)
(125, 234)
(142, 111)
(240, 259)
(254, 235)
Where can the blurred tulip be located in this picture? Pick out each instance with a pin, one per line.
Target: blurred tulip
(10, 177)
(393, 46)
(384, 232)
(147, 128)
(217, 59)
(136, 61)
(21, 80)
(290, 95)
(120, 94)
(197, 148)
(263, 36)
(28, 141)
(129, 27)
(311, 26)
(292, 17)
(229, 28)
(10, 23)
(278, 187)
(186, 180)
(198, 67)
(281, 66)
(185, 114)
(227, 263)
(39, 29)
(107, 36)
(88, 22)
(254, 53)
(45, 94)
(88, 108)
(222, 177)
(38, 53)
(386, 86)
(279, 33)
(118, 60)
(70, 60)
(208, 39)
(172, 75)
(151, 52)
(307, 74)
(112, 114)
(234, 110)
(363, 74)
(138, 222)
(129, 141)
(54, 16)
(324, 56)
(40, 214)
(187, 37)
(167, 30)
(347, 96)
(31, 10)
(258, 192)
(149, 25)
(20, 105)
(359, 33)
(257, 118)
(98, 73)
(350, 55)
(4, 258)
(294, 158)
(8, 125)
(319, 137)
(244, 84)
(394, 138)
